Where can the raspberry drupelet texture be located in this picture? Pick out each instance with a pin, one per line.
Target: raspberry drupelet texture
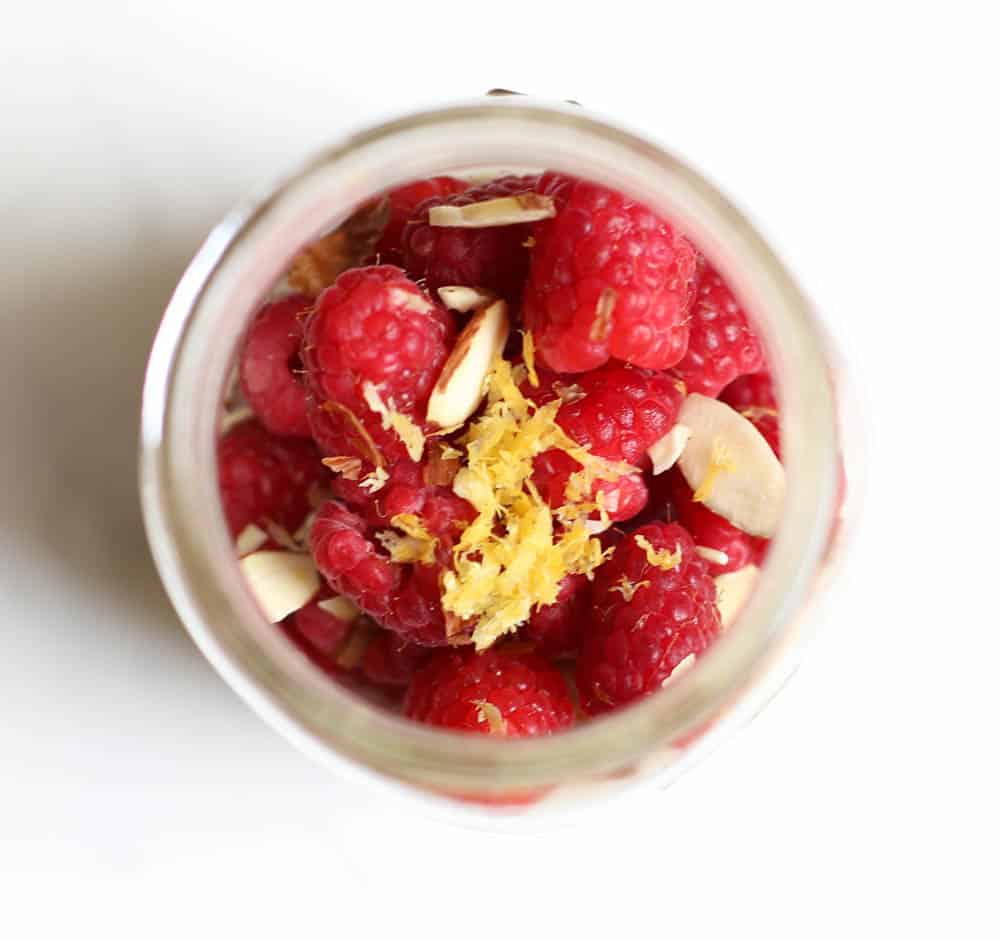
(391, 661)
(493, 693)
(318, 633)
(270, 368)
(753, 397)
(617, 412)
(650, 615)
(556, 629)
(402, 203)
(403, 598)
(494, 257)
(750, 391)
(608, 278)
(722, 346)
(711, 531)
(373, 325)
(266, 479)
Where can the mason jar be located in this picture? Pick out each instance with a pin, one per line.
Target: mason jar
(247, 254)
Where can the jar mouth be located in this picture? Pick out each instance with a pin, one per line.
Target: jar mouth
(233, 272)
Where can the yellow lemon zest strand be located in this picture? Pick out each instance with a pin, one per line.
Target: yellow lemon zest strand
(512, 557)
(719, 462)
(490, 715)
(416, 545)
(627, 589)
(411, 436)
(661, 558)
(528, 354)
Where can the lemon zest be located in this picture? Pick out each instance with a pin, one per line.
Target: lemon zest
(661, 558)
(719, 462)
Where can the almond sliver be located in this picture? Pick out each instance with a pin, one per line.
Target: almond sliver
(462, 383)
(665, 452)
(504, 210)
(463, 299)
(730, 466)
(282, 582)
(732, 591)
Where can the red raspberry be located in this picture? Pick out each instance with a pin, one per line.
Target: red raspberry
(494, 257)
(722, 346)
(442, 511)
(753, 396)
(390, 661)
(491, 693)
(644, 630)
(270, 368)
(405, 599)
(318, 633)
(402, 202)
(754, 391)
(767, 424)
(264, 478)
(623, 498)
(557, 628)
(608, 278)
(712, 531)
(622, 411)
(372, 325)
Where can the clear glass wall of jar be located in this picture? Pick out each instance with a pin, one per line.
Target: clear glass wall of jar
(240, 263)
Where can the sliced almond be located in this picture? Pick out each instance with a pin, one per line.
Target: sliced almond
(665, 452)
(250, 540)
(318, 265)
(410, 300)
(340, 607)
(443, 463)
(461, 385)
(282, 582)
(463, 299)
(504, 210)
(353, 650)
(732, 591)
(600, 329)
(715, 556)
(348, 467)
(682, 667)
(234, 417)
(731, 467)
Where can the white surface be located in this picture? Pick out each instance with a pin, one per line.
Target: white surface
(141, 799)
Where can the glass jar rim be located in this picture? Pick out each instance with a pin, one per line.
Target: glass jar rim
(246, 254)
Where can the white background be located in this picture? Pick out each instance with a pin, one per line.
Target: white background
(140, 799)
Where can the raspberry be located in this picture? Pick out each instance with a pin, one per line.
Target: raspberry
(263, 478)
(753, 396)
(621, 412)
(270, 365)
(623, 498)
(405, 599)
(491, 693)
(372, 325)
(767, 424)
(556, 629)
(649, 618)
(442, 511)
(318, 633)
(390, 661)
(493, 257)
(722, 346)
(402, 202)
(608, 278)
(710, 530)
(752, 391)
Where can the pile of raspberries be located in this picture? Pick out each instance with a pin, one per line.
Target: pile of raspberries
(676, 329)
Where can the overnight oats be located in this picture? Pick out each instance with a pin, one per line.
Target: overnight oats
(502, 456)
